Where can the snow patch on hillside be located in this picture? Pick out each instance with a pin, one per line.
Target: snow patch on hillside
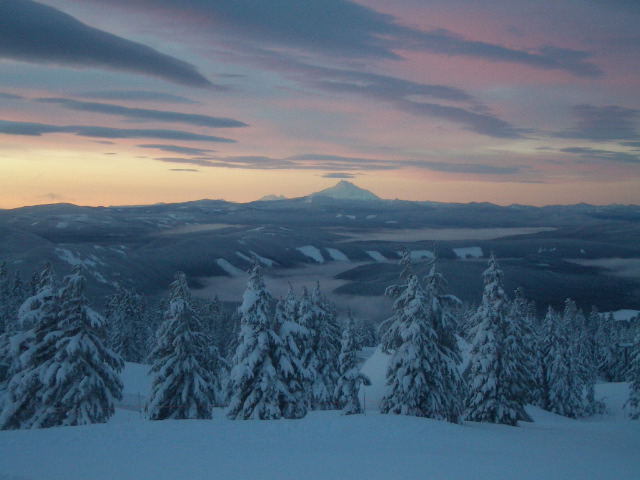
(417, 255)
(337, 255)
(377, 256)
(229, 267)
(468, 252)
(625, 314)
(264, 260)
(311, 252)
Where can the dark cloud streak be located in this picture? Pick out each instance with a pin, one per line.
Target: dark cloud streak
(37, 129)
(178, 149)
(146, 114)
(348, 29)
(314, 161)
(606, 123)
(33, 32)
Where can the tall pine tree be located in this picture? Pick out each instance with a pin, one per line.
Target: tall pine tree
(326, 343)
(492, 370)
(348, 386)
(37, 324)
(256, 389)
(417, 382)
(288, 357)
(182, 382)
(633, 403)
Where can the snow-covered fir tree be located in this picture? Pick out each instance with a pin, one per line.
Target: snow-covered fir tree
(607, 348)
(306, 315)
(565, 389)
(256, 389)
(492, 370)
(519, 347)
(633, 404)
(406, 264)
(37, 320)
(182, 382)
(544, 339)
(325, 338)
(72, 375)
(82, 380)
(416, 374)
(5, 298)
(128, 326)
(348, 386)
(288, 357)
(589, 362)
(443, 307)
(18, 332)
(388, 330)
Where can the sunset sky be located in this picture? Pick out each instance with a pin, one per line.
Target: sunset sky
(142, 101)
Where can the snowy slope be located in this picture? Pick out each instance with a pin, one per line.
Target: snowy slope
(327, 445)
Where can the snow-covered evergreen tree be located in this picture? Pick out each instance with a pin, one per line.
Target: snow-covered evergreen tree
(633, 404)
(325, 341)
(37, 319)
(565, 389)
(607, 348)
(519, 347)
(348, 386)
(255, 386)
(388, 330)
(81, 382)
(544, 339)
(5, 297)
(417, 382)
(406, 264)
(182, 382)
(18, 334)
(288, 357)
(128, 326)
(71, 375)
(443, 307)
(310, 361)
(492, 371)
(364, 331)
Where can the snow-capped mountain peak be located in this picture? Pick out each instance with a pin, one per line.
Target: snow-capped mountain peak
(344, 190)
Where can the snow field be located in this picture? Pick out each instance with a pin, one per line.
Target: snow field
(377, 256)
(311, 252)
(327, 446)
(468, 252)
(337, 255)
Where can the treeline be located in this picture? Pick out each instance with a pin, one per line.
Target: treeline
(280, 358)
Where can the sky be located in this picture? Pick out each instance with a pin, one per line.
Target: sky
(116, 102)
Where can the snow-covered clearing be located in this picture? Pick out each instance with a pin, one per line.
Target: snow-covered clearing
(418, 255)
(311, 252)
(377, 256)
(327, 445)
(229, 267)
(625, 314)
(621, 267)
(337, 255)
(468, 252)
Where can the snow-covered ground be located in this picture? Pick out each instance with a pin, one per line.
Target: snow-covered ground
(229, 267)
(337, 255)
(311, 252)
(327, 445)
(377, 256)
(468, 252)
